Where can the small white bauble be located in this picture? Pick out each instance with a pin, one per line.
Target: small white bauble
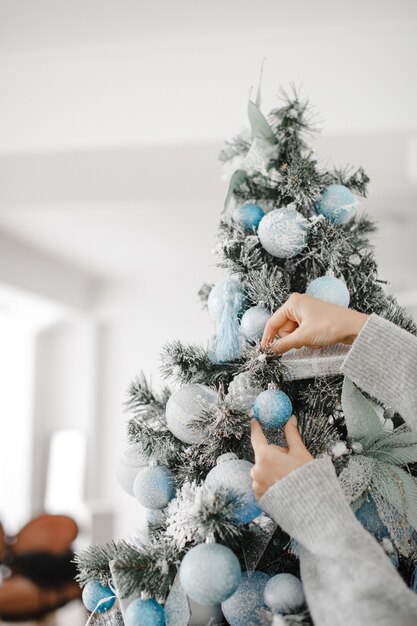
(253, 322)
(184, 406)
(131, 461)
(283, 232)
(284, 593)
(243, 392)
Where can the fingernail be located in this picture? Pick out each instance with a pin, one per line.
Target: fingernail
(294, 420)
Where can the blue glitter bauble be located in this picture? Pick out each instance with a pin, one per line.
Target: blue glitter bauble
(144, 613)
(210, 573)
(242, 607)
(93, 592)
(272, 408)
(253, 322)
(184, 407)
(337, 203)
(248, 215)
(235, 475)
(284, 594)
(217, 297)
(283, 232)
(329, 289)
(154, 487)
(368, 516)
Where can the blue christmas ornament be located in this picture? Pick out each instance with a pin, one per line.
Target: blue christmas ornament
(284, 594)
(98, 598)
(144, 613)
(272, 408)
(329, 289)
(253, 322)
(154, 487)
(242, 607)
(210, 573)
(368, 516)
(283, 232)
(217, 297)
(234, 474)
(225, 302)
(248, 215)
(337, 203)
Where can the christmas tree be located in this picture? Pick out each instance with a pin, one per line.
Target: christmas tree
(210, 554)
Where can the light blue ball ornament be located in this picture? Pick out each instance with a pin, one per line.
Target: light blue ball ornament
(234, 474)
(253, 322)
(144, 613)
(243, 606)
(98, 598)
(283, 232)
(337, 203)
(272, 408)
(284, 594)
(154, 487)
(248, 215)
(329, 289)
(220, 294)
(210, 573)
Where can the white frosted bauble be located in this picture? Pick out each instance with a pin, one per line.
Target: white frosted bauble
(283, 232)
(131, 461)
(329, 289)
(284, 593)
(184, 406)
(253, 322)
(243, 392)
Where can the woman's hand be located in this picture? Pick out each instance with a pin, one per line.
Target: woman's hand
(307, 321)
(273, 462)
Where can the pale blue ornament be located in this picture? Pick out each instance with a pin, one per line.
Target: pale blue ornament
(216, 300)
(253, 322)
(183, 409)
(144, 613)
(154, 487)
(272, 408)
(329, 289)
(369, 517)
(131, 461)
(243, 606)
(234, 474)
(210, 573)
(283, 232)
(337, 203)
(248, 215)
(284, 594)
(98, 598)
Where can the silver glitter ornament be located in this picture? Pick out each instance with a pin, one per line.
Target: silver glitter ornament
(184, 407)
(243, 392)
(283, 232)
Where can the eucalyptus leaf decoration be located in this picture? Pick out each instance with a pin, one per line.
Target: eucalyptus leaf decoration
(387, 453)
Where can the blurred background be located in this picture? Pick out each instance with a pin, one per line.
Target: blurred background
(112, 114)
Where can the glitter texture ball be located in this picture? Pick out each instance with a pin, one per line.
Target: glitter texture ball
(368, 516)
(284, 594)
(329, 289)
(235, 475)
(210, 573)
(337, 203)
(131, 461)
(248, 215)
(272, 408)
(154, 487)
(217, 297)
(93, 593)
(253, 322)
(144, 613)
(186, 405)
(283, 232)
(243, 392)
(242, 607)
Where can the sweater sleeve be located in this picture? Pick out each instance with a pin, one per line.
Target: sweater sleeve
(347, 577)
(383, 362)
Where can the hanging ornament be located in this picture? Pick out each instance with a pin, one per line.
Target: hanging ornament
(284, 594)
(242, 607)
(253, 322)
(210, 573)
(98, 598)
(242, 392)
(234, 474)
(283, 232)
(272, 408)
(329, 289)
(131, 461)
(144, 613)
(154, 487)
(248, 215)
(216, 299)
(227, 345)
(184, 407)
(337, 203)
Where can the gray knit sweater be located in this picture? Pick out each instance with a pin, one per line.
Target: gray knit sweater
(348, 579)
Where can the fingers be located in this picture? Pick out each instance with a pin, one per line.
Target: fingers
(292, 340)
(292, 434)
(258, 439)
(276, 321)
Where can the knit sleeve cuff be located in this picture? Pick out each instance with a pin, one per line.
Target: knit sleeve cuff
(309, 504)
